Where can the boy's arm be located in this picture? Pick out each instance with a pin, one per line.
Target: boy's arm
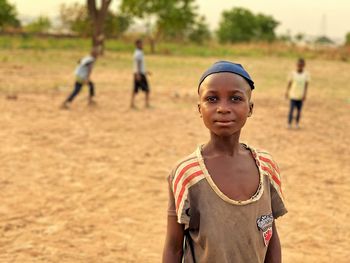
(89, 71)
(288, 88)
(173, 248)
(305, 90)
(138, 73)
(273, 254)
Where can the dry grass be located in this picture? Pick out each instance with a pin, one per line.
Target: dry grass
(88, 185)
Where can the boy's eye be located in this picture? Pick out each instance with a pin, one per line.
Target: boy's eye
(211, 98)
(236, 98)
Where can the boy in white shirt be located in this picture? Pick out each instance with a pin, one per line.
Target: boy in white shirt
(296, 91)
(140, 80)
(82, 76)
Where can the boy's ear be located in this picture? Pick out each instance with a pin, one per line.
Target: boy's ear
(199, 109)
(251, 106)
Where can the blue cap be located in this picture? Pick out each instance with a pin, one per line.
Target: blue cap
(227, 66)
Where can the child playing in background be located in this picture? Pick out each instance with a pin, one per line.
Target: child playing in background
(224, 197)
(82, 77)
(296, 91)
(140, 80)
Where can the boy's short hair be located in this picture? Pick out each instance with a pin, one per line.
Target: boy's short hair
(301, 60)
(227, 66)
(138, 41)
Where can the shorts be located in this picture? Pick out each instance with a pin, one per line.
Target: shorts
(141, 84)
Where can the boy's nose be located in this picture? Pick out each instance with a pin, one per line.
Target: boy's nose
(223, 108)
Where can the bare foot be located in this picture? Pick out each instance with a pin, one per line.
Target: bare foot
(92, 102)
(65, 106)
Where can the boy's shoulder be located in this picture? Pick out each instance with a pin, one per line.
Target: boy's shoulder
(138, 52)
(184, 164)
(270, 168)
(87, 60)
(186, 173)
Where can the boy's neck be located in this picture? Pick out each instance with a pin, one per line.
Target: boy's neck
(223, 145)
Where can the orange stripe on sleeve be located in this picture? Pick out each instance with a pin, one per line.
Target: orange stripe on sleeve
(273, 175)
(270, 162)
(182, 172)
(184, 185)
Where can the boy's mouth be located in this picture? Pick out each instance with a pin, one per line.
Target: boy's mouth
(224, 122)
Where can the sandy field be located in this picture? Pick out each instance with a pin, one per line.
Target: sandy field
(89, 184)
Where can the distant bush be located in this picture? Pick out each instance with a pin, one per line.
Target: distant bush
(200, 32)
(210, 49)
(75, 19)
(8, 15)
(347, 39)
(41, 25)
(241, 25)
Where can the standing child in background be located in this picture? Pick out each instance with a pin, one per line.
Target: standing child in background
(82, 77)
(140, 80)
(296, 91)
(224, 198)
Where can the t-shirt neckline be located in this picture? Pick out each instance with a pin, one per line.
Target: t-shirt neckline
(255, 197)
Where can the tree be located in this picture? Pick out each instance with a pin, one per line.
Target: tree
(286, 37)
(299, 36)
(8, 15)
(347, 39)
(265, 27)
(324, 40)
(116, 24)
(176, 21)
(166, 19)
(241, 25)
(75, 18)
(236, 25)
(41, 25)
(200, 31)
(98, 18)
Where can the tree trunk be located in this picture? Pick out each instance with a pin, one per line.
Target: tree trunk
(98, 17)
(152, 45)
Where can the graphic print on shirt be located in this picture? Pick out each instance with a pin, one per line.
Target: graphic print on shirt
(264, 224)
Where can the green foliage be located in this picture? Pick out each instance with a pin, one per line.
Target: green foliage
(174, 19)
(236, 25)
(265, 27)
(75, 18)
(299, 36)
(324, 40)
(347, 39)
(116, 24)
(200, 31)
(8, 15)
(241, 25)
(28, 42)
(286, 37)
(41, 25)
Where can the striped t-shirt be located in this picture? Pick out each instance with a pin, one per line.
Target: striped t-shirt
(220, 229)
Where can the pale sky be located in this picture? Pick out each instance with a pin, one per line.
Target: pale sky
(299, 16)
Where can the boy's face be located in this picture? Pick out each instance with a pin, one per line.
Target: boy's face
(300, 66)
(139, 45)
(224, 103)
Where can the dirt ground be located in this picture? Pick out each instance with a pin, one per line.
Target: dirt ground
(89, 184)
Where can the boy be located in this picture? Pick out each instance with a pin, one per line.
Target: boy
(140, 80)
(82, 76)
(224, 197)
(296, 91)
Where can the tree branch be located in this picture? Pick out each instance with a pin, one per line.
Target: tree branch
(91, 4)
